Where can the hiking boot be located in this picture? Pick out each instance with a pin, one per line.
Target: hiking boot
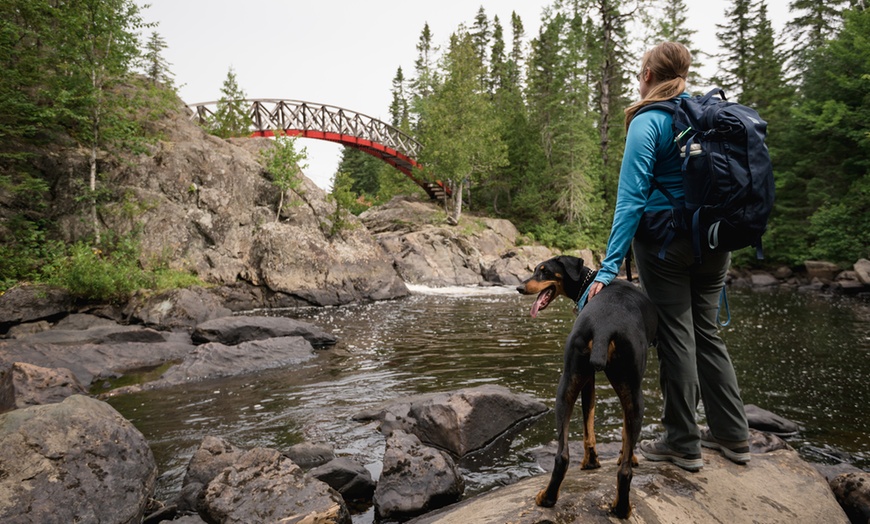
(735, 451)
(657, 451)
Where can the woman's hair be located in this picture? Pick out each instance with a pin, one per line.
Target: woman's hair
(669, 64)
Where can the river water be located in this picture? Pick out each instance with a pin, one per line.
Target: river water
(803, 356)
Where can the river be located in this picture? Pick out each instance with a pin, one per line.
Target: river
(802, 356)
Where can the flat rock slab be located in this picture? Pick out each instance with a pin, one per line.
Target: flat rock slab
(238, 329)
(775, 487)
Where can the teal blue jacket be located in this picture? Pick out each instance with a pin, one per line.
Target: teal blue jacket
(649, 148)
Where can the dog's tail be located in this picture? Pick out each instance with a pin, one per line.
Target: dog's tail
(600, 350)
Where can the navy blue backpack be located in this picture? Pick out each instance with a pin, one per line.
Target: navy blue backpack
(727, 175)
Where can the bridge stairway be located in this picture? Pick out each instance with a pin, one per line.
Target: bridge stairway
(435, 190)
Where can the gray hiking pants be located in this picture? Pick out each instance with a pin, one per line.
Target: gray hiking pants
(693, 361)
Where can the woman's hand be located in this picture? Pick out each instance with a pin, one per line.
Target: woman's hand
(594, 288)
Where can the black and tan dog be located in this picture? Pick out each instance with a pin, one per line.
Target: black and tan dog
(611, 333)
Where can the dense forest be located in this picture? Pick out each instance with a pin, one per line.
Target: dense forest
(524, 127)
(534, 133)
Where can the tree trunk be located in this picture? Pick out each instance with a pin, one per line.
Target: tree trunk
(457, 204)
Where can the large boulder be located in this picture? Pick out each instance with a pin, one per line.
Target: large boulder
(347, 477)
(215, 360)
(862, 271)
(99, 352)
(427, 251)
(415, 479)
(29, 303)
(176, 308)
(775, 487)
(35, 385)
(461, 421)
(852, 491)
(76, 461)
(237, 329)
(264, 486)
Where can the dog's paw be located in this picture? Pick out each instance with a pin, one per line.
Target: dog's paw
(620, 511)
(542, 500)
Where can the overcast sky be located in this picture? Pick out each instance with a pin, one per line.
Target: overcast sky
(338, 52)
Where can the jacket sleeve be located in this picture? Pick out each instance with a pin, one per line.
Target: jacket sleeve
(633, 190)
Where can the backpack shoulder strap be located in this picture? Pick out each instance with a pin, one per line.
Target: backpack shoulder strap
(668, 106)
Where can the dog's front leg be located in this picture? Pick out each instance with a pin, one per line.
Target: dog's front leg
(566, 397)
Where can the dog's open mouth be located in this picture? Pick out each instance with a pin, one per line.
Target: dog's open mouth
(543, 300)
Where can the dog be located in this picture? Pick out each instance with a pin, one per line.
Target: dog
(612, 333)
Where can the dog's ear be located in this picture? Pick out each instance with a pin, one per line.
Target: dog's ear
(573, 267)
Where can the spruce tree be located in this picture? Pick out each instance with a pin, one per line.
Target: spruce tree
(230, 118)
(735, 37)
(156, 66)
(815, 22)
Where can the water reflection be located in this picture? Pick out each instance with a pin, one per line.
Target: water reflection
(801, 356)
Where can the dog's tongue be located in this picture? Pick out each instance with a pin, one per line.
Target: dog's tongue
(540, 303)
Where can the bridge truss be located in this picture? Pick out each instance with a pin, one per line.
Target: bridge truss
(334, 124)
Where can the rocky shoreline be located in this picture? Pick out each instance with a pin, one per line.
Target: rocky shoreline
(49, 365)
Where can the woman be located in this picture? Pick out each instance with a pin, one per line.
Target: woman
(694, 363)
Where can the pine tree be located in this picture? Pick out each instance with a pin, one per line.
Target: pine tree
(399, 108)
(156, 66)
(480, 37)
(426, 74)
(230, 118)
(671, 26)
(816, 22)
(497, 59)
(735, 38)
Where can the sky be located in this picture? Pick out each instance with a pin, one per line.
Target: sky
(342, 53)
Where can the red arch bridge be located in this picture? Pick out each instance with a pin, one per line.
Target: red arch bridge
(334, 124)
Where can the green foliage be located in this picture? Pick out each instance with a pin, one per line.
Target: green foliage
(842, 229)
(230, 118)
(111, 273)
(285, 164)
(156, 66)
(345, 204)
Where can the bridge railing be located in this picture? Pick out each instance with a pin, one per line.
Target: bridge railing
(268, 114)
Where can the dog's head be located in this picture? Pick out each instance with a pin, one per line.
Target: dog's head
(552, 278)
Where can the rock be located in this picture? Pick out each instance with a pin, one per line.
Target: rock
(461, 421)
(213, 360)
(831, 471)
(97, 352)
(415, 479)
(763, 280)
(82, 321)
(35, 385)
(763, 442)
(309, 455)
(30, 328)
(210, 458)
(426, 251)
(7, 388)
(852, 491)
(515, 265)
(237, 329)
(175, 309)
(77, 461)
(345, 476)
(768, 422)
(776, 487)
(862, 270)
(824, 271)
(783, 273)
(264, 486)
(30, 303)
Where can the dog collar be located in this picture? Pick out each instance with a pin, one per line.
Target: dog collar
(582, 300)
